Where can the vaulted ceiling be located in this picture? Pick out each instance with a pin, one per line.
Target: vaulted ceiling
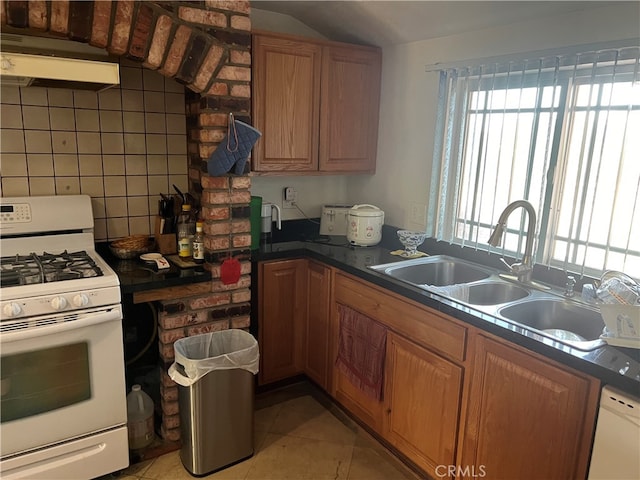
(392, 22)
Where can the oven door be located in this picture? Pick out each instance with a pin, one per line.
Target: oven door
(62, 378)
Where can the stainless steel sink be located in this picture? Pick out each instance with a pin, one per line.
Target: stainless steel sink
(555, 317)
(540, 311)
(495, 293)
(439, 270)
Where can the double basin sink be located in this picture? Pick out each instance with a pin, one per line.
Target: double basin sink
(550, 315)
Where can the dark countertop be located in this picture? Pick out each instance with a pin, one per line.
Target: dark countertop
(137, 276)
(616, 366)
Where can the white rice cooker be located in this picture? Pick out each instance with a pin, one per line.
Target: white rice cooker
(365, 225)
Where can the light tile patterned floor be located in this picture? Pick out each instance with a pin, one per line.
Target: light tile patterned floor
(295, 438)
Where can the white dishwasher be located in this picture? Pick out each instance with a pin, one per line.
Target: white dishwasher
(616, 447)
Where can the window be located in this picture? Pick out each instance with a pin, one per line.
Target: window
(562, 132)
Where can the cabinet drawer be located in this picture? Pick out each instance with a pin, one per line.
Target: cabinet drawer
(421, 324)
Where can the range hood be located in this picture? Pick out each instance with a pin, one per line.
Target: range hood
(46, 62)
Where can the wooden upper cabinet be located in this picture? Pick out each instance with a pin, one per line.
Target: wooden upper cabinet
(349, 110)
(286, 102)
(316, 104)
(527, 418)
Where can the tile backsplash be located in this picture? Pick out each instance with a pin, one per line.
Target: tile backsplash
(122, 146)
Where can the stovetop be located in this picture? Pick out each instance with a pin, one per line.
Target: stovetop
(47, 267)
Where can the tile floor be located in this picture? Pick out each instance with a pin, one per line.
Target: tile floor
(299, 434)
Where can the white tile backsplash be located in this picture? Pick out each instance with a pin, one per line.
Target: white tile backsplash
(60, 97)
(110, 99)
(11, 116)
(10, 95)
(90, 164)
(89, 142)
(85, 99)
(115, 186)
(62, 118)
(34, 96)
(66, 164)
(155, 101)
(67, 185)
(12, 141)
(134, 122)
(111, 121)
(87, 120)
(131, 78)
(122, 146)
(64, 142)
(42, 186)
(134, 143)
(152, 82)
(137, 185)
(92, 186)
(13, 165)
(35, 118)
(157, 164)
(37, 141)
(112, 143)
(135, 164)
(40, 165)
(113, 164)
(15, 186)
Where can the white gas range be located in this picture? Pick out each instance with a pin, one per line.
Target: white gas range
(63, 397)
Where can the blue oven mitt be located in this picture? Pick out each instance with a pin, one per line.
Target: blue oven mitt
(234, 148)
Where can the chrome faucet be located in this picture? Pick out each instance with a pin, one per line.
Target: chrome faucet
(522, 270)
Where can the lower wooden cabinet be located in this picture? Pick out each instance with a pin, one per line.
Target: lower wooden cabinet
(316, 343)
(422, 404)
(282, 309)
(457, 401)
(527, 417)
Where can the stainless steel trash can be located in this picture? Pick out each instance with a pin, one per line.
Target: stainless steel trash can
(216, 420)
(215, 376)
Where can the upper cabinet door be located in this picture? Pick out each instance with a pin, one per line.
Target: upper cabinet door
(350, 109)
(286, 102)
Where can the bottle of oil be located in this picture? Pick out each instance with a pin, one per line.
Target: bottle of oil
(185, 230)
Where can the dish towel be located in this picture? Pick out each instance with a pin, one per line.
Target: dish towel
(361, 351)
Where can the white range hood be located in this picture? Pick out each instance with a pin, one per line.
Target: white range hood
(39, 61)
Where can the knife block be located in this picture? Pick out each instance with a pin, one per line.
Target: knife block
(165, 242)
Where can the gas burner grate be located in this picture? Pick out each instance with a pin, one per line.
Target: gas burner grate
(47, 268)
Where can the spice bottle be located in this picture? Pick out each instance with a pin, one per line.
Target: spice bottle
(198, 244)
(185, 230)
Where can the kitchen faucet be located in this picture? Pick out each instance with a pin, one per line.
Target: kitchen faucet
(522, 270)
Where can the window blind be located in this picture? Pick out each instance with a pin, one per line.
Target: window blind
(560, 131)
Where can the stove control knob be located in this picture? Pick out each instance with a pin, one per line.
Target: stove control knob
(12, 309)
(80, 300)
(58, 303)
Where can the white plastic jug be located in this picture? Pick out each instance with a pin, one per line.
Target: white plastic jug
(139, 418)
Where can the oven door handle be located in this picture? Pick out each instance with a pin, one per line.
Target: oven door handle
(54, 327)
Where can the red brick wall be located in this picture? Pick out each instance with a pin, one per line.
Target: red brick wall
(205, 46)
